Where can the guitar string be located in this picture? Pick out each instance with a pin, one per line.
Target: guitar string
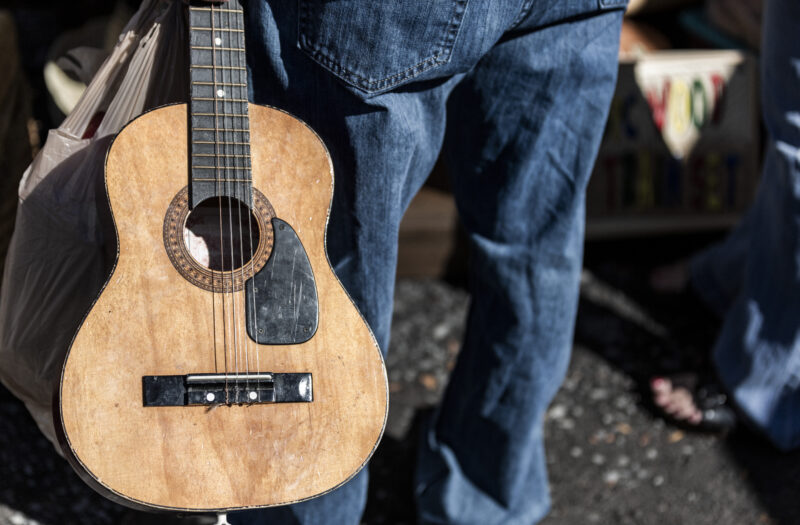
(242, 65)
(240, 191)
(245, 149)
(219, 205)
(208, 247)
(226, 97)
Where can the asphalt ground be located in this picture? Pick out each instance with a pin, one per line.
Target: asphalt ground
(611, 459)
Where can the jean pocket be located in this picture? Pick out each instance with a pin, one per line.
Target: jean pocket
(376, 46)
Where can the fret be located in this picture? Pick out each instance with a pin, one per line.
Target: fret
(237, 84)
(222, 99)
(222, 121)
(209, 134)
(233, 115)
(219, 155)
(219, 55)
(218, 67)
(228, 92)
(217, 38)
(220, 142)
(222, 167)
(222, 180)
(230, 107)
(215, 48)
(218, 29)
(223, 130)
(210, 75)
(215, 10)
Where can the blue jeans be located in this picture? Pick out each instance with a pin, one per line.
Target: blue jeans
(752, 279)
(515, 95)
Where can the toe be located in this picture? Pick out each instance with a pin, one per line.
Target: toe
(660, 385)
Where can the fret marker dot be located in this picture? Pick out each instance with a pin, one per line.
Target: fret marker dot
(218, 41)
(220, 92)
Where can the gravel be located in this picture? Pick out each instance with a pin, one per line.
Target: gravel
(610, 460)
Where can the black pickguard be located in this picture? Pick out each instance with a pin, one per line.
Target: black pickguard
(282, 305)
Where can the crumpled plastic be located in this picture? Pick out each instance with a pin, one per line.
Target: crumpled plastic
(61, 251)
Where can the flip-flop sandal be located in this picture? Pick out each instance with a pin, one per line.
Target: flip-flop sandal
(718, 416)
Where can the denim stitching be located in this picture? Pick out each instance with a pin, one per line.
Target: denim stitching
(440, 56)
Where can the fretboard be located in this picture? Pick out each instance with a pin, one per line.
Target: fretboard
(220, 128)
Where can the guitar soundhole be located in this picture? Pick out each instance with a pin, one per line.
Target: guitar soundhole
(221, 233)
(220, 244)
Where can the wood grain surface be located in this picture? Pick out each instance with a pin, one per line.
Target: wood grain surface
(151, 321)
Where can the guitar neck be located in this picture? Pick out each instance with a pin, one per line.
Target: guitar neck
(219, 123)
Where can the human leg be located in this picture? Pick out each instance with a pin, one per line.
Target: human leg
(757, 354)
(382, 146)
(524, 128)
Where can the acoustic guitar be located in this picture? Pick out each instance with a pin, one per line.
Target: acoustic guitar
(222, 366)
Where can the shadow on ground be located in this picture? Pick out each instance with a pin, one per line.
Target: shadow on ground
(669, 335)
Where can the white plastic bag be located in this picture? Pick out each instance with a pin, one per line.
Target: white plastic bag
(55, 265)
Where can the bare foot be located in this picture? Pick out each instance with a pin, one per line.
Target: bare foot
(678, 402)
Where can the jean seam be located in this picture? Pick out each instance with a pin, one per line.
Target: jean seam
(442, 53)
(523, 13)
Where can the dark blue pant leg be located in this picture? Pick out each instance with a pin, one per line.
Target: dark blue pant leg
(523, 131)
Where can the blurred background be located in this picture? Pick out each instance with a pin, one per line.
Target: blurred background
(678, 166)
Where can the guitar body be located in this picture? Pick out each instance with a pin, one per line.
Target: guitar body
(151, 320)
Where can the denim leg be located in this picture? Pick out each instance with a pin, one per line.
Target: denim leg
(717, 273)
(758, 352)
(382, 148)
(523, 132)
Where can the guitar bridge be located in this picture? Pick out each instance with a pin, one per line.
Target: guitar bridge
(226, 389)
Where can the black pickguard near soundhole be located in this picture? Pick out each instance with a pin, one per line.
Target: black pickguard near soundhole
(282, 305)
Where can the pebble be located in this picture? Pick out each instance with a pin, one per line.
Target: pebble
(623, 461)
(651, 453)
(577, 411)
(658, 481)
(557, 412)
(675, 436)
(570, 384)
(607, 419)
(611, 477)
(598, 459)
(598, 394)
(567, 424)
(440, 331)
(687, 450)
(623, 428)
(576, 452)
(598, 436)
(428, 381)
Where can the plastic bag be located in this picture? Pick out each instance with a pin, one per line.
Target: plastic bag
(58, 259)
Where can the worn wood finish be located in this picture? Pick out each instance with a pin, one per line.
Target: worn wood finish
(151, 321)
